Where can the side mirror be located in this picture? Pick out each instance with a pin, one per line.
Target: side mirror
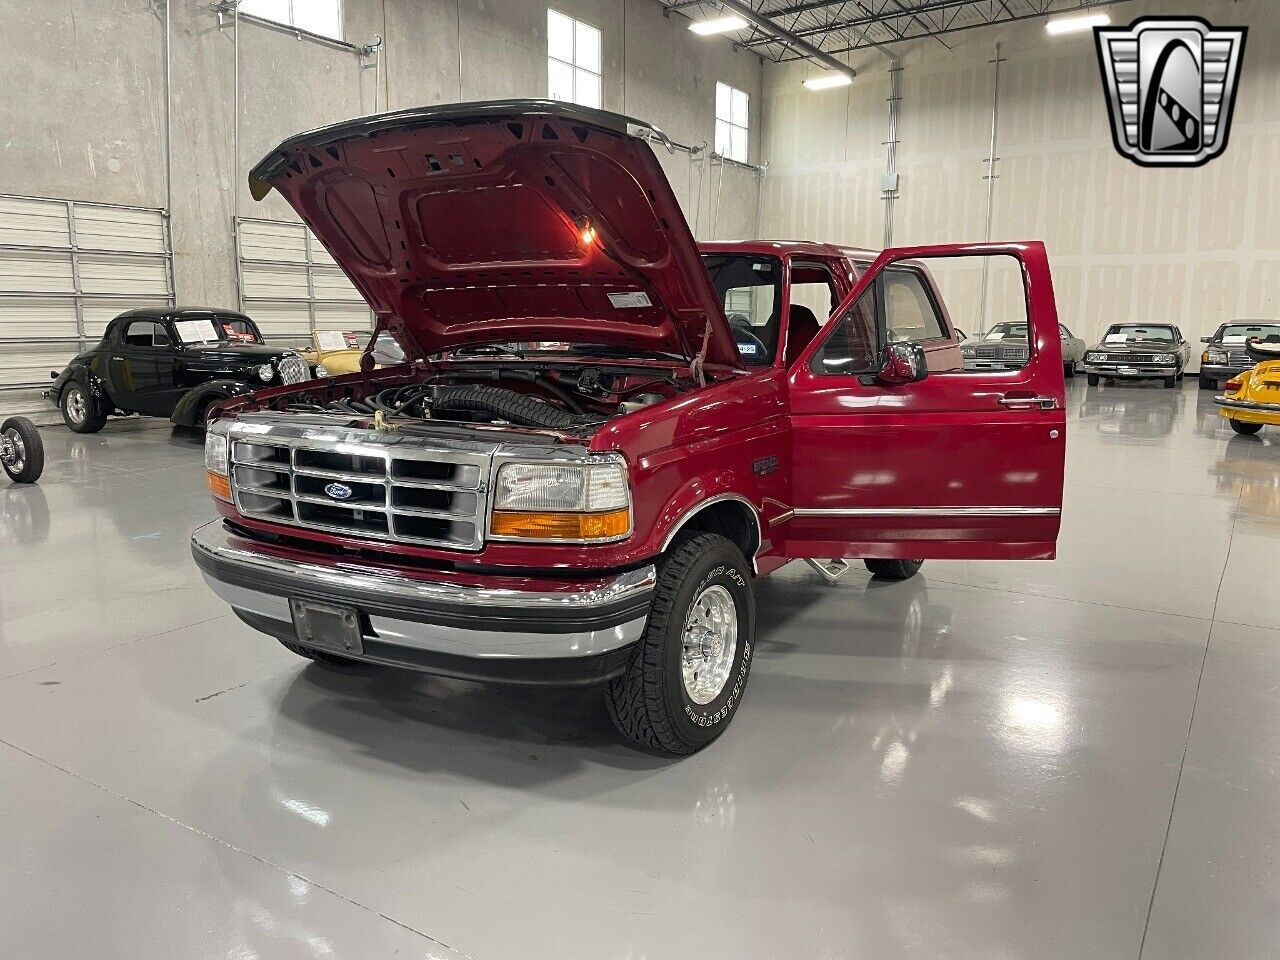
(903, 363)
(1206, 339)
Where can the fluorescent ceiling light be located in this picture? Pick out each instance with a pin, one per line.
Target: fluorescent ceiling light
(706, 28)
(1060, 25)
(826, 81)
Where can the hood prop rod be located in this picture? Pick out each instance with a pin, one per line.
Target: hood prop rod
(695, 367)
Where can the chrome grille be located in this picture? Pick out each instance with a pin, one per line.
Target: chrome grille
(1238, 358)
(410, 495)
(1130, 357)
(1000, 351)
(1013, 352)
(293, 369)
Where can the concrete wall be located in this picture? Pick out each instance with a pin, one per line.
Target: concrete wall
(83, 97)
(1192, 246)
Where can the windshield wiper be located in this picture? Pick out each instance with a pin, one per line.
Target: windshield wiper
(485, 348)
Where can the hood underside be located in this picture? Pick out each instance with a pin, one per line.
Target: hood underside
(513, 221)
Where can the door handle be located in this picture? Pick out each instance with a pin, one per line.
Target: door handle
(1044, 403)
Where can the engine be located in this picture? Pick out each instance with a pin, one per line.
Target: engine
(565, 401)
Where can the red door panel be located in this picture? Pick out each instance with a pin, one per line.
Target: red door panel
(957, 465)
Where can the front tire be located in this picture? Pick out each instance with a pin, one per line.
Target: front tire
(1208, 383)
(79, 411)
(1170, 382)
(1069, 371)
(685, 681)
(1244, 429)
(1093, 379)
(28, 450)
(894, 569)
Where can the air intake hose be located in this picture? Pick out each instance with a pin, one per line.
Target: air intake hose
(509, 406)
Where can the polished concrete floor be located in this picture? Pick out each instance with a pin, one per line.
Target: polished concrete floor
(1057, 760)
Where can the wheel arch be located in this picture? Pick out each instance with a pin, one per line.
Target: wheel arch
(187, 408)
(731, 515)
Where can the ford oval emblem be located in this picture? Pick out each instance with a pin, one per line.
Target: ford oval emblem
(338, 491)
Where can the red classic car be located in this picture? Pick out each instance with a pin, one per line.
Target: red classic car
(601, 435)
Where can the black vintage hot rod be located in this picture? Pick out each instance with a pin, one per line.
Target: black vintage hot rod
(170, 362)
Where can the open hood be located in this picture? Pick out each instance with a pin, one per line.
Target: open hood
(522, 220)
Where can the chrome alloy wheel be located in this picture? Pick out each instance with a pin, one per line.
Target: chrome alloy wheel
(13, 452)
(710, 642)
(77, 406)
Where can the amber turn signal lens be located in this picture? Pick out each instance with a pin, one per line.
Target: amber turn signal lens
(560, 526)
(219, 485)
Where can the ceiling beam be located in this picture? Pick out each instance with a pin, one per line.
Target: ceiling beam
(1047, 10)
(803, 48)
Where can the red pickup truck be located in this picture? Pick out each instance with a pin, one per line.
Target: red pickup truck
(602, 436)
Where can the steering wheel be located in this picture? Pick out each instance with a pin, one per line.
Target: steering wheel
(744, 335)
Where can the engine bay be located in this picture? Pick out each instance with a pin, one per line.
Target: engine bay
(569, 398)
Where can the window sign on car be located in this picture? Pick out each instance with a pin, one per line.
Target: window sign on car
(331, 340)
(196, 331)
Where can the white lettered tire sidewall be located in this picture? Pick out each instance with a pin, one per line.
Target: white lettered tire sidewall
(699, 724)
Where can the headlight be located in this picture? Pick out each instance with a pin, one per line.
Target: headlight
(266, 372)
(1092, 357)
(217, 462)
(966, 351)
(1164, 358)
(322, 370)
(1214, 356)
(580, 502)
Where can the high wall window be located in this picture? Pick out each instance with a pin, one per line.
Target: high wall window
(315, 16)
(732, 109)
(573, 60)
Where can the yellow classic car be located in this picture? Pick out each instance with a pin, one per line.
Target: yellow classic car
(335, 352)
(1252, 399)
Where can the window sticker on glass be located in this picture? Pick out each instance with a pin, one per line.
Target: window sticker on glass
(630, 300)
(331, 340)
(196, 331)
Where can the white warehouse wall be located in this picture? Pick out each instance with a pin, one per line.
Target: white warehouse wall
(82, 94)
(1191, 246)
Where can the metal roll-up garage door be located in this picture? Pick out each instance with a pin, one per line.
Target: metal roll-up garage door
(66, 268)
(290, 285)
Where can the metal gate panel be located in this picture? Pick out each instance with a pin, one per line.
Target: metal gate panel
(34, 222)
(120, 229)
(291, 286)
(66, 268)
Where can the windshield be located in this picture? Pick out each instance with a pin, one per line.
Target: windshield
(201, 330)
(1136, 334)
(210, 328)
(1237, 333)
(1006, 331)
(750, 288)
(331, 340)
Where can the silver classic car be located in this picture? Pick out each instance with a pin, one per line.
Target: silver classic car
(1004, 347)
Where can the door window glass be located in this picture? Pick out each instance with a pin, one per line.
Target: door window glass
(909, 313)
(852, 344)
(145, 333)
(985, 296)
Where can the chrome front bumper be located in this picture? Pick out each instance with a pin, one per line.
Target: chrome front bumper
(1134, 371)
(480, 633)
